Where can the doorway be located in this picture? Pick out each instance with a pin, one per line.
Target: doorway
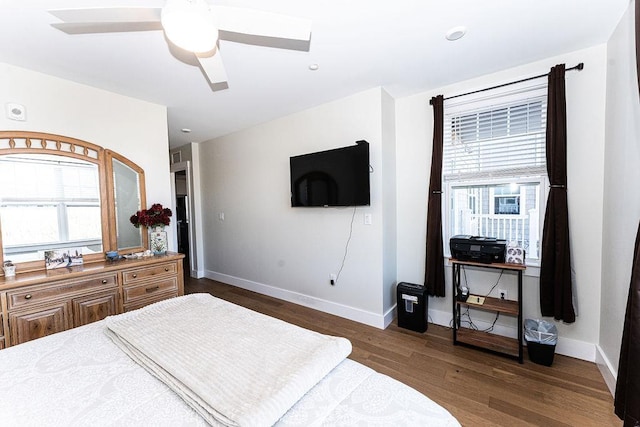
(182, 194)
(182, 220)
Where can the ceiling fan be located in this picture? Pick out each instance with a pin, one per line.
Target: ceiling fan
(195, 27)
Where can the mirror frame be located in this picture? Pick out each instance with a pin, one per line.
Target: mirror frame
(16, 142)
(111, 200)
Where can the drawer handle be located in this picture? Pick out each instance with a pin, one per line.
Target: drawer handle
(166, 269)
(28, 296)
(105, 281)
(153, 288)
(134, 275)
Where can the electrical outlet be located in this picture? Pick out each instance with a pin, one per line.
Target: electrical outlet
(332, 279)
(503, 293)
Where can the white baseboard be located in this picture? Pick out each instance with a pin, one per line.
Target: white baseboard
(566, 346)
(389, 316)
(578, 349)
(438, 317)
(606, 369)
(351, 313)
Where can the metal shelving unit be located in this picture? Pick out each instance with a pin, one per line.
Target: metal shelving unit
(486, 340)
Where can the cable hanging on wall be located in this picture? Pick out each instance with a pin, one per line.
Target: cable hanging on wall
(346, 246)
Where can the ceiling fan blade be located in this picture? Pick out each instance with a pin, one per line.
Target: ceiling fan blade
(262, 28)
(106, 27)
(213, 69)
(107, 20)
(108, 14)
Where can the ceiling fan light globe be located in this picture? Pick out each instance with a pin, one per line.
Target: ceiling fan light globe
(190, 25)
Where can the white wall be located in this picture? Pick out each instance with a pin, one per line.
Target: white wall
(622, 193)
(585, 122)
(133, 128)
(389, 223)
(265, 245)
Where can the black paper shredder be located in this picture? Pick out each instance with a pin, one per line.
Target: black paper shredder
(412, 303)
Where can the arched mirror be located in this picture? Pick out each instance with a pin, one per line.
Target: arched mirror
(58, 192)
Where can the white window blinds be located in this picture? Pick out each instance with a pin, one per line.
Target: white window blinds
(40, 178)
(501, 140)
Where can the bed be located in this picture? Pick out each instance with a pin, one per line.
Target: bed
(195, 361)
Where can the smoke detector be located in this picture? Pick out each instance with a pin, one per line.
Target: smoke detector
(456, 33)
(16, 112)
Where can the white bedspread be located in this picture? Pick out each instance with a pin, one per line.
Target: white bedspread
(234, 366)
(81, 378)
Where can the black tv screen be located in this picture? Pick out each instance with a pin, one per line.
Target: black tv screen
(338, 177)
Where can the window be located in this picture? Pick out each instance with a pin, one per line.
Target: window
(494, 169)
(57, 204)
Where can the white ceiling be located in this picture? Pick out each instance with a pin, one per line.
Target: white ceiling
(358, 44)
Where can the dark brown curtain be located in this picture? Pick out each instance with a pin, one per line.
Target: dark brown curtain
(627, 398)
(627, 401)
(555, 267)
(434, 265)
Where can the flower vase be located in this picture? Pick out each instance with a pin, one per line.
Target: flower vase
(158, 240)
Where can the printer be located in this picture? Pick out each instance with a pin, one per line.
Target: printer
(478, 249)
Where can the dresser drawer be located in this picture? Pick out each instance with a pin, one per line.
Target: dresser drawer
(143, 273)
(37, 322)
(33, 295)
(149, 289)
(144, 302)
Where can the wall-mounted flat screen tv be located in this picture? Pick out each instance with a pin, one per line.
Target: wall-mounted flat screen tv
(338, 177)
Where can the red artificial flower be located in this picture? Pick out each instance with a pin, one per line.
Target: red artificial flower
(155, 216)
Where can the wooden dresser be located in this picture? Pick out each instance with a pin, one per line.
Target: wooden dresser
(41, 303)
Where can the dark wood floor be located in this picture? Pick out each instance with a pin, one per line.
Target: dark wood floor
(478, 388)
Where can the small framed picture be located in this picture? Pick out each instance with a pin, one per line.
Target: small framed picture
(60, 258)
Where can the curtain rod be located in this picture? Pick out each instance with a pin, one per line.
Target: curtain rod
(578, 67)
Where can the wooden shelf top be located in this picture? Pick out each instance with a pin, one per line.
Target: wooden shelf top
(489, 341)
(502, 266)
(505, 306)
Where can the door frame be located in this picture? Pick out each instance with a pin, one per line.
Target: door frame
(179, 167)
